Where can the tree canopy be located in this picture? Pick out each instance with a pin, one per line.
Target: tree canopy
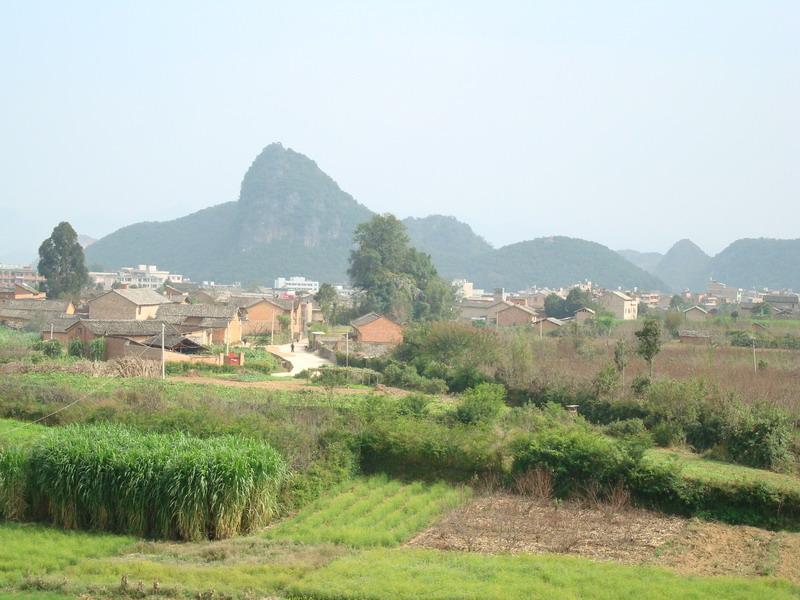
(397, 279)
(560, 308)
(61, 262)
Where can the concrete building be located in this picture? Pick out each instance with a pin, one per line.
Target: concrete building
(622, 306)
(132, 304)
(296, 284)
(11, 274)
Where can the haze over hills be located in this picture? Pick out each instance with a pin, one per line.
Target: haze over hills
(746, 263)
(292, 218)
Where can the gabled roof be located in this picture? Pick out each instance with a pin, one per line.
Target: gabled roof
(621, 295)
(139, 297)
(248, 300)
(696, 307)
(552, 320)
(122, 327)
(367, 319)
(518, 307)
(185, 311)
(27, 288)
(60, 324)
(585, 309)
(32, 305)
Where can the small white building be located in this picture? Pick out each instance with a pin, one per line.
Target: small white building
(296, 284)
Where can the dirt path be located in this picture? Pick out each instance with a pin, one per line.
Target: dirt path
(288, 384)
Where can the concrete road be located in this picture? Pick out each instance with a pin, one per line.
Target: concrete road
(300, 358)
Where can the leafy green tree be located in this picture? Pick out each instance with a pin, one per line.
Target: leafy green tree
(560, 308)
(397, 280)
(678, 302)
(61, 263)
(327, 298)
(649, 342)
(554, 306)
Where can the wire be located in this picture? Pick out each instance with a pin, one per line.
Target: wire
(55, 412)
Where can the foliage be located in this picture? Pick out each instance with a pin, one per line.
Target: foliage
(621, 358)
(76, 348)
(558, 307)
(114, 478)
(52, 348)
(61, 263)
(649, 342)
(375, 511)
(328, 301)
(398, 280)
(481, 404)
(97, 349)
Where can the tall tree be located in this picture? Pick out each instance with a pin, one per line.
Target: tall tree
(397, 279)
(649, 342)
(61, 262)
(327, 297)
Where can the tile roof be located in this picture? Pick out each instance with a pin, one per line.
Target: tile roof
(185, 311)
(367, 319)
(142, 297)
(36, 305)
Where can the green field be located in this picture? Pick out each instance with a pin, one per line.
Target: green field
(697, 468)
(371, 512)
(405, 574)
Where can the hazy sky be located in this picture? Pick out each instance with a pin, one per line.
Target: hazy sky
(632, 124)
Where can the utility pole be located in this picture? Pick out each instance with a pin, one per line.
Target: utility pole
(163, 357)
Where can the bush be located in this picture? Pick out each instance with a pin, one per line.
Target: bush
(625, 428)
(52, 348)
(668, 433)
(423, 449)
(113, 478)
(576, 456)
(639, 385)
(76, 348)
(97, 349)
(481, 404)
(758, 436)
(415, 405)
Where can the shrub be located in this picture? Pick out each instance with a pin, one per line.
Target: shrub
(415, 405)
(481, 404)
(75, 348)
(52, 348)
(668, 433)
(626, 427)
(427, 450)
(758, 436)
(576, 456)
(639, 385)
(97, 349)
(167, 486)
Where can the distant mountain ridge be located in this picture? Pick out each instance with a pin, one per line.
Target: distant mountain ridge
(745, 263)
(291, 218)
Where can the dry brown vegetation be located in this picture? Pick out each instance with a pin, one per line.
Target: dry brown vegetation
(565, 362)
(499, 522)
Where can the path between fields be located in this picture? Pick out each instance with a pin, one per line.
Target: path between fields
(301, 358)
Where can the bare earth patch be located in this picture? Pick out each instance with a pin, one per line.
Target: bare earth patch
(508, 523)
(505, 523)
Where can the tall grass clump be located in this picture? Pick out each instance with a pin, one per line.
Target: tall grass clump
(118, 479)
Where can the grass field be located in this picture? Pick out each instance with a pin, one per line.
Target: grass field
(343, 548)
(371, 512)
(16, 433)
(698, 468)
(405, 574)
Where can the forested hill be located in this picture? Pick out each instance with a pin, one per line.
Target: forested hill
(293, 219)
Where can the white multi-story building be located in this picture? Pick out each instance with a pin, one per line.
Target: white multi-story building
(141, 276)
(296, 284)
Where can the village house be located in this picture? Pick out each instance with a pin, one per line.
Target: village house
(21, 313)
(20, 291)
(132, 304)
(131, 337)
(584, 315)
(261, 315)
(222, 319)
(373, 328)
(783, 304)
(695, 314)
(622, 306)
(544, 326)
(515, 315)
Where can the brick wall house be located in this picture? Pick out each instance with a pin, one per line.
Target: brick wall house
(515, 316)
(135, 305)
(373, 328)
